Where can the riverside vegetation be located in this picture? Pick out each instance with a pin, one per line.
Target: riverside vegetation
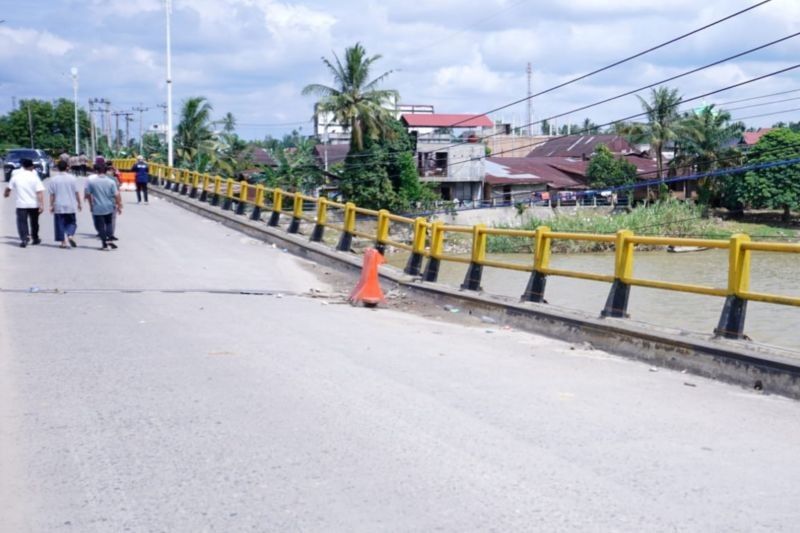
(669, 218)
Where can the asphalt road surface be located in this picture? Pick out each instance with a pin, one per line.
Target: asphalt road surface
(139, 392)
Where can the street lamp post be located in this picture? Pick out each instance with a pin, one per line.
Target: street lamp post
(169, 86)
(74, 72)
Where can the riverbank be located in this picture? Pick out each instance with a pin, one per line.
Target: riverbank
(671, 218)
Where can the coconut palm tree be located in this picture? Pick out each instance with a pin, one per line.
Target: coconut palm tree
(354, 100)
(194, 134)
(706, 144)
(662, 121)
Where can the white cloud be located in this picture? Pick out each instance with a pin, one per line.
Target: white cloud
(19, 41)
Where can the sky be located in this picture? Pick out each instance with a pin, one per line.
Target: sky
(253, 57)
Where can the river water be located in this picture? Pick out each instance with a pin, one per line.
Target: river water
(766, 323)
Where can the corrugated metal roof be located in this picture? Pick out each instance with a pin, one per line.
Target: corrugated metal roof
(581, 145)
(439, 120)
(752, 137)
(529, 171)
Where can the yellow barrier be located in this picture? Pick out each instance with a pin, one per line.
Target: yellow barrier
(428, 240)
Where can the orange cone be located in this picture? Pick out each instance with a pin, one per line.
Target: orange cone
(368, 289)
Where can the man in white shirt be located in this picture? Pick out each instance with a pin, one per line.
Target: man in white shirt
(29, 191)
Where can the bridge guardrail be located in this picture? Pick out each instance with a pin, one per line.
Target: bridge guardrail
(428, 241)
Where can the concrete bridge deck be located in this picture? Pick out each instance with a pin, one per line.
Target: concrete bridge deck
(128, 405)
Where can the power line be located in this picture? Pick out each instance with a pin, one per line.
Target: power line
(768, 114)
(762, 104)
(648, 86)
(637, 115)
(757, 97)
(617, 63)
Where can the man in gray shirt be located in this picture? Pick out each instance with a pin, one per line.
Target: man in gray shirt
(64, 202)
(103, 196)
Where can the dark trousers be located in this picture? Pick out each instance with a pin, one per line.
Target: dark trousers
(23, 215)
(104, 227)
(64, 223)
(141, 188)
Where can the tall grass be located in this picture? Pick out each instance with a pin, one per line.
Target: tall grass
(670, 218)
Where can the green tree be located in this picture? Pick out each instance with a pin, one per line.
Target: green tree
(384, 174)
(704, 145)
(53, 126)
(297, 169)
(773, 188)
(606, 171)
(153, 148)
(662, 119)
(355, 101)
(194, 137)
(228, 123)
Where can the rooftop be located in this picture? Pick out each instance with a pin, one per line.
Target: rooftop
(439, 120)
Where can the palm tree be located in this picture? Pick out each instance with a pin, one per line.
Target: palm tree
(355, 101)
(705, 144)
(228, 122)
(194, 132)
(662, 120)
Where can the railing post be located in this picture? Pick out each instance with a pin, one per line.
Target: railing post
(437, 247)
(168, 176)
(297, 213)
(204, 191)
(382, 233)
(195, 185)
(537, 283)
(176, 185)
(217, 191)
(228, 203)
(472, 281)
(277, 207)
(243, 194)
(185, 182)
(617, 301)
(322, 219)
(257, 203)
(346, 240)
(731, 321)
(414, 265)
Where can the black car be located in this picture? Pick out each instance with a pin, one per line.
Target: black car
(41, 161)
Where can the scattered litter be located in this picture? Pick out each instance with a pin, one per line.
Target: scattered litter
(284, 250)
(142, 322)
(683, 371)
(653, 369)
(452, 308)
(33, 289)
(489, 331)
(273, 245)
(689, 384)
(488, 320)
(507, 328)
(325, 303)
(279, 296)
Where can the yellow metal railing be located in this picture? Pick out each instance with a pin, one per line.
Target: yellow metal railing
(428, 240)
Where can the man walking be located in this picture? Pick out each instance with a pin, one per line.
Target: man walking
(64, 200)
(29, 191)
(142, 178)
(103, 196)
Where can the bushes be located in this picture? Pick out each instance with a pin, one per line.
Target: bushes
(669, 218)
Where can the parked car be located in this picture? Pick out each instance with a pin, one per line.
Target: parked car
(41, 161)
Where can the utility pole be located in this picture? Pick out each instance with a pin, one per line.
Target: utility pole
(13, 103)
(30, 123)
(530, 102)
(169, 86)
(116, 115)
(74, 72)
(128, 120)
(141, 110)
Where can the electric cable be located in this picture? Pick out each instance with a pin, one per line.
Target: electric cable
(620, 62)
